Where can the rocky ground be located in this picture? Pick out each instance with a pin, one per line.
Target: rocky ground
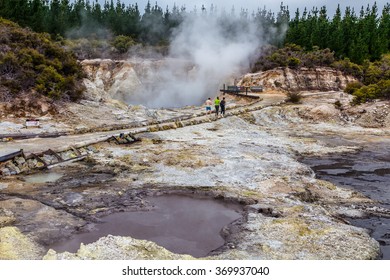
(250, 158)
(93, 115)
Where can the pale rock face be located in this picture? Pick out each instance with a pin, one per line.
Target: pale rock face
(124, 78)
(304, 79)
(109, 79)
(127, 80)
(118, 248)
(287, 238)
(16, 246)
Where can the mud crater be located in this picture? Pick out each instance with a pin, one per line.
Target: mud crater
(92, 204)
(183, 224)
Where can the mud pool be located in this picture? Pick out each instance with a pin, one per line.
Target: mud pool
(367, 171)
(181, 224)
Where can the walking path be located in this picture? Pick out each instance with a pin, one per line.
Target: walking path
(62, 143)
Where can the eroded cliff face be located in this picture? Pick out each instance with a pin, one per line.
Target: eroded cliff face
(304, 79)
(107, 78)
(128, 80)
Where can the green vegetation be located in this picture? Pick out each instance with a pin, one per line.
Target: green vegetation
(294, 97)
(33, 62)
(374, 81)
(373, 77)
(293, 56)
(337, 104)
(349, 68)
(346, 34)
(357, 44)
(352, 87)
(357, 37)
(123, 43)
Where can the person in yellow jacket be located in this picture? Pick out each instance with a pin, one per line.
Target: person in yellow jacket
(216, 104)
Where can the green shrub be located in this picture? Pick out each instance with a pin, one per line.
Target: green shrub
(294, 96)
(376, 80)
(352, 87)
(8, 63)
(366, 93)
(293, 56)
(372, 74)
(50, 82)
(384, 86)
(279, 58)
(13, 86)
(122, 43)
(33, 61)
(348, 68)
(293, 62)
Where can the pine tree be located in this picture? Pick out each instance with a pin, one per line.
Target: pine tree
(348, 33)
(371, 35)
(294, 32)
(152, 25)
(384, 30)
(335, 34)
(96, 13)
(54, 14)
(132, 24)
(37, 11)
(15, 10)
(322, 29)
(282, 21)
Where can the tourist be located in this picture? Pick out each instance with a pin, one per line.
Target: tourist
(216, 103)
(209, 103)
(223, 106)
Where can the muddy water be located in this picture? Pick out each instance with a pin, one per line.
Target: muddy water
(181, 224)
(41, 178)
(367, 171)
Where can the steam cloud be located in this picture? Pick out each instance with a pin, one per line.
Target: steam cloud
(206, 51)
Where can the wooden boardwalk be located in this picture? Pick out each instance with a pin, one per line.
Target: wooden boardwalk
(242, 94)
(47, 152)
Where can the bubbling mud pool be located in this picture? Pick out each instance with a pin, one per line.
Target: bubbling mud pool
(179, 223)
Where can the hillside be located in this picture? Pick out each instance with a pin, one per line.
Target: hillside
(35, 71)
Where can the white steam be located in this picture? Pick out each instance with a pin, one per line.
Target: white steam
(205, 52)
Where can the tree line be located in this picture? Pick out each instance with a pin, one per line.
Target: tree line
(358, 36)
(83, 18)
(357, 44)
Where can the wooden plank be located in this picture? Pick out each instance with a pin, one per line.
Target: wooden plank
(59, 158)
(76, 151)
(11, 156)
(39, 159)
